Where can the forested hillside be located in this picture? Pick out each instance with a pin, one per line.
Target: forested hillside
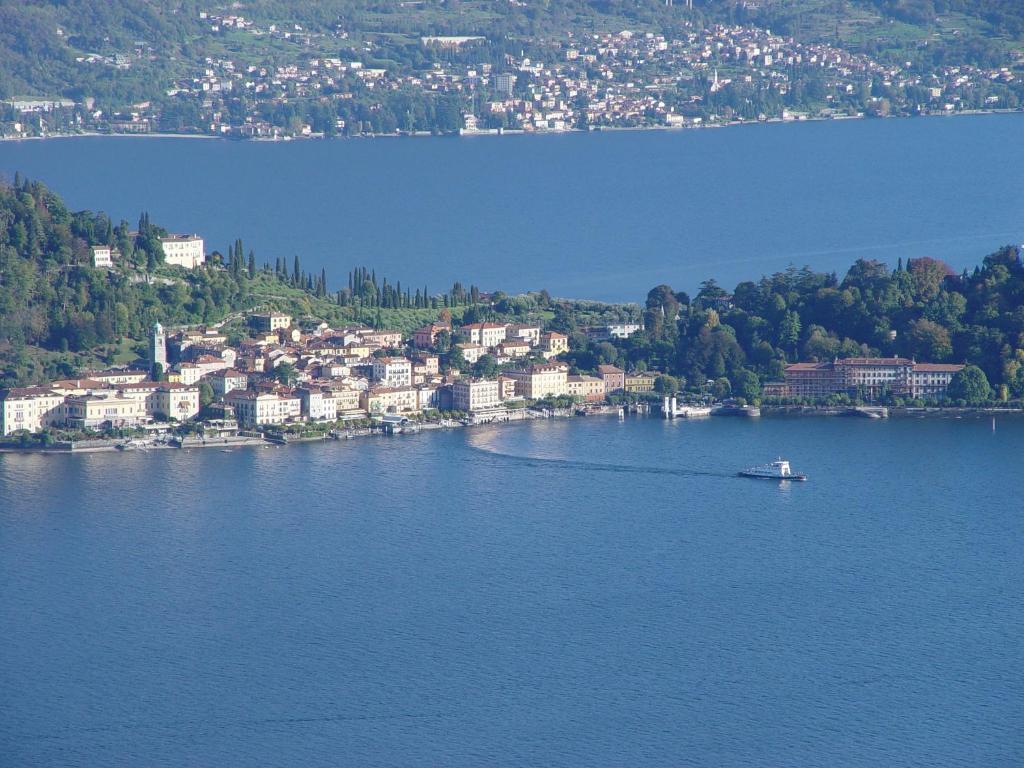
(922, 309)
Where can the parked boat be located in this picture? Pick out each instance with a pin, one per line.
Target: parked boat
(776, 470)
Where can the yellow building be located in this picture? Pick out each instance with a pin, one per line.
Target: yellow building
(540, 381)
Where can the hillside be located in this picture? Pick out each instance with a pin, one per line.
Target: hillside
(59, 315)
(144, 65)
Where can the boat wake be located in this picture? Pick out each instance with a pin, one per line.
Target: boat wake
(595, 466)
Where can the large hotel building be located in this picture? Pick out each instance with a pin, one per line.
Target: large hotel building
(869, 376)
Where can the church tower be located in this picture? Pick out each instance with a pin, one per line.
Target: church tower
(158, 348)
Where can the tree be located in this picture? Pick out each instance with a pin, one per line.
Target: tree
(927, 341)
(970, 385)
(666, 385)
(746, 385)
(205, 394)
(285, 373)
(721, 389)
(158, 372)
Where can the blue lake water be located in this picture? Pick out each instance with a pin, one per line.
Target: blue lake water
(602, 216)
(560, 593)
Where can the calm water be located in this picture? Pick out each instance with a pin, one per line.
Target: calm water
(599, 216)
(585, 593)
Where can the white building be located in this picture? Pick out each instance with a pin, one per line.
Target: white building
(253, 409)
(102, 256)
(318, 404)
(393, 371)
(32, 409)
(183, 250)
(475, 395)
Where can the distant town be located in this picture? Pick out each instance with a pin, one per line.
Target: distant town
(713, 75)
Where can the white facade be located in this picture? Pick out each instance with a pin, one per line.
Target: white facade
(393, 371)
(475, 395)
(102, 256)
(31, 409)
(183, 250)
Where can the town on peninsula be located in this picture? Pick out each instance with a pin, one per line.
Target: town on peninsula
(118, 336)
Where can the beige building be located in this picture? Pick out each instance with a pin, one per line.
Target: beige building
(183, 250)
(471, 352)
(380, 399)
(176, 401)
(270, 322)
(254, 409)
(639, 382)
(528, 333)
(101, 411)
(540, 381)
(588, 388)
(554, 344)
(479, 395)
(32, 409)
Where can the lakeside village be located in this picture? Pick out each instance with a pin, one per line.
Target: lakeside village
(707, 76)
(309, 379)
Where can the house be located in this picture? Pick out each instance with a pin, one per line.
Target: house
(116, 376)
(381, 399)
(224, 381)
(385, 339)
(528, 333)
(614, 378)
(640, 382)
(510, 349)
(485, 334)
(426, 337)
(183, 250)
(471, 352)
(393, 371)
(270, 322)
(540, 381)
(99, 411)
(254, 409)
(32, 409)
(175, 401)
(318, 403)
(102, 256)
(554, 344)
(475, 395)
(587, 388)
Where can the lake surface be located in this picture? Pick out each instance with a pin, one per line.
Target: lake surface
(560, 593)
(603, 216)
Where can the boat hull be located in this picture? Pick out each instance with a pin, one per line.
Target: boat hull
(797, 478)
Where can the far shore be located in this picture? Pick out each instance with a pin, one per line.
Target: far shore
(512, 132)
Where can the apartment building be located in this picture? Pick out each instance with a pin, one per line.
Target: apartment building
(475, 395)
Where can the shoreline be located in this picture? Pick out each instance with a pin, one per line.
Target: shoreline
(230, 444)
(511, 132)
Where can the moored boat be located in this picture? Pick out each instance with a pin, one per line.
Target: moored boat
(776, 470)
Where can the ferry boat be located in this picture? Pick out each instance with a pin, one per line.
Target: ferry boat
(776, 470)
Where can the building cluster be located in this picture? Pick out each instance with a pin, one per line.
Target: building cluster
(866, 377)
(624, 79)
(283, 374)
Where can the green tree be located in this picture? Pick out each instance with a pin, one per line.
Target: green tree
(205, 394)
(970, 385)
